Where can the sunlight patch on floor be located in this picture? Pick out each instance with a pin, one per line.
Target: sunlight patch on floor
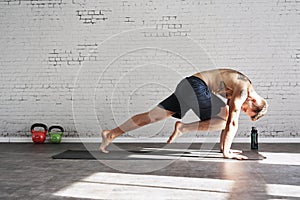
(283, 190)
(281, 158)
(119, 186)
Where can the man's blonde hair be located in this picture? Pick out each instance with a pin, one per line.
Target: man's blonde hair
(260, 109)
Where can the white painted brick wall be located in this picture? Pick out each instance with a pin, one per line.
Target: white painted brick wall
(88, 64)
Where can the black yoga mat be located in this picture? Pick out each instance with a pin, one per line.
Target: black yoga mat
(253, 155)
(158, 155)
(75, 154)
(114, 155)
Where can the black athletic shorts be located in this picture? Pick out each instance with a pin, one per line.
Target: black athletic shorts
(193, 93)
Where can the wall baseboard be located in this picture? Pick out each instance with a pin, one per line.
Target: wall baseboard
(152, 140)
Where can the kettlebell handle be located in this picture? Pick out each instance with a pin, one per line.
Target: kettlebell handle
(38, 125)
(56, 127)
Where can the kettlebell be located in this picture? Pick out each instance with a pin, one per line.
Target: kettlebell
(38, 136)
(55, 137)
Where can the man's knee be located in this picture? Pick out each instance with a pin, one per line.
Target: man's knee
(158, 114)
(154, 117)
(224, 112)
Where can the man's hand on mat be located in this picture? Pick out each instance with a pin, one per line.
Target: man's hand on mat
(235, 156)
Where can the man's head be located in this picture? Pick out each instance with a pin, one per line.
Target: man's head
(255, 106)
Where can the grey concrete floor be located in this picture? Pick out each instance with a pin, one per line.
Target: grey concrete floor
(27, 171)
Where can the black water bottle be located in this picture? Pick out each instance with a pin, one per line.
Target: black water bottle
(254, 141)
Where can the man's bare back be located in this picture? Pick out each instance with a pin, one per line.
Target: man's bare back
(223, 81)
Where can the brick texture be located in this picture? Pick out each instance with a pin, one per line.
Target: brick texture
(89, 65)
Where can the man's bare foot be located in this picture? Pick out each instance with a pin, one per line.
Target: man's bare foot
(176, 133)
(105, 141)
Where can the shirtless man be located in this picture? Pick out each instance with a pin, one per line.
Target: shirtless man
(198, 92)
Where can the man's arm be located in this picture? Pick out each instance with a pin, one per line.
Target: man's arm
(235, 104)
(223, 132)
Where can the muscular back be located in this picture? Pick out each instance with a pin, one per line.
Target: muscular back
(224, 81)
